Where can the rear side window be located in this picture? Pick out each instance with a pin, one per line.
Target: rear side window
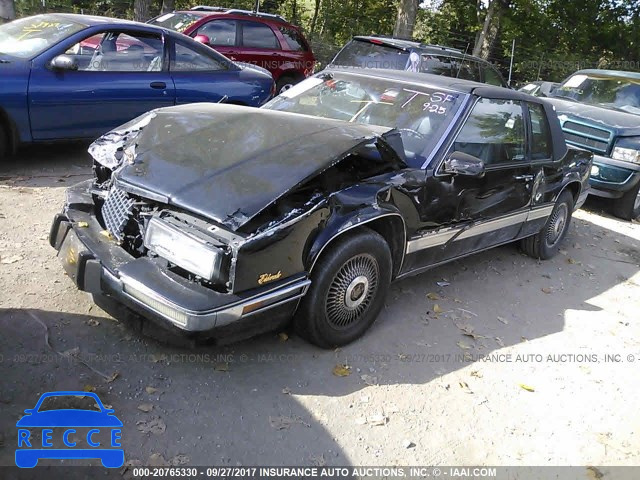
(437, 65)
(494, 132)
(294, 39)
(541, 133)
(220, 32)
(491, 76)
(258, 35)
(369, 55)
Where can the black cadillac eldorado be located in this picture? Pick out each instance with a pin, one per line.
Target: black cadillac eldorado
(212, 219)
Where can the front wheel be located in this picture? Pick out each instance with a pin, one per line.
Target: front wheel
(546, 242)
(349, 285)
(628, 206)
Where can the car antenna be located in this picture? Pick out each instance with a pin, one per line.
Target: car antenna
(223, 99)
(464, 57)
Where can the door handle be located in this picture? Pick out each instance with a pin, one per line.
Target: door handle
(526, 178)
(158, 85)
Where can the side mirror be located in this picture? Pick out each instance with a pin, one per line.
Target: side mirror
(64, 62)
(460, 163)
(29, 411)
(202, 39)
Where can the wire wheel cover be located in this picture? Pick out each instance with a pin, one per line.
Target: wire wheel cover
(557, 224)
(352, 290)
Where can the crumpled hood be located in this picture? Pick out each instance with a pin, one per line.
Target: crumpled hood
(225, 162)
(623, 124)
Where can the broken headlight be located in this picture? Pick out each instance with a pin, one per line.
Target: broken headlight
(188, 251)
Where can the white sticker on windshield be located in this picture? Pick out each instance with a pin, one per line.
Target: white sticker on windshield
(302, 87)
(510, 123)
(575, 81)
(164, 17)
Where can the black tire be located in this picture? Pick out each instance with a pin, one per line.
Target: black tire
(545, 244)
(628, 206)
(4, 142)
(356, 270)
(285, 82)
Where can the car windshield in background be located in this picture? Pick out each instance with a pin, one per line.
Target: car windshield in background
(28, 37)
(421, 113)
(361, 54)
(178, 21)
(604, 91)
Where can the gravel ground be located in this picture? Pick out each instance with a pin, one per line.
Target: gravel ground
(510, 362)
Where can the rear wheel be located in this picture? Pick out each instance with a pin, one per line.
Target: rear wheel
(348, 288)
(4, 142)
(628, 206)
(284, 83)
(546, 242)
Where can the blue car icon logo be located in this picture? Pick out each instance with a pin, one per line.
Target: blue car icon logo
(69, 425)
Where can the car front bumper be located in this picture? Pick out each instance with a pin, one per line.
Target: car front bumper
(614, 177)
(97, 265)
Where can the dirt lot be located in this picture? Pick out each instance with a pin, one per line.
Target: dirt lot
(417, 390)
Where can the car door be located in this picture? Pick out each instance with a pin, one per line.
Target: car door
(120, 74)
(202, 75)
(472, 213)
(259, 45)
(223, 35)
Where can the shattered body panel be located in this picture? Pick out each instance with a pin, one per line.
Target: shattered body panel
(267, 193)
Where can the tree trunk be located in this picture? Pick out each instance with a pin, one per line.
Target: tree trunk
(141, 10)
(406, 20)
(7, 11)
(168, 6)
(489, 32)
(314, 19)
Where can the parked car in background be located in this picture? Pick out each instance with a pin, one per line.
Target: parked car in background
(539, 88)
(220, 219)
(600, 111)
(262, 39)
(396, 54)
(68, 76)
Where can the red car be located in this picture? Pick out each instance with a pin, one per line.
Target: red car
(262, 39)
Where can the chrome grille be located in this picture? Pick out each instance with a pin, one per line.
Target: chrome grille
(116, 211)
(594, 138)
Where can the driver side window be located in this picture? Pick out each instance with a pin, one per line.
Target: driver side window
(494, 132)
(119, 52)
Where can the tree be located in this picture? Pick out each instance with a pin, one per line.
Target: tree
(490, 29)
(141, 10)
(406, 19)
(168, 6)
(7, 11)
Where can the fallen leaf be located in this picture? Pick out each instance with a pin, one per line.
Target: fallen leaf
(377, 420)
(572, 261)
(433, 296)
(342, 370)
(546, 290)
(369, 379)
(437, 309)
(594, 473)
(503, 320)
(92, 322)
(286, 391)
(476, 373)
(89, 388)
(157, 460)
(155, 426)
(221, 367)
(179, 459)
(112, 377)
(283, 337)
(82, 224)
(318, 460)
(151, 390)
(467, 330)
(11, 259)
(563, 252)
(463, 345)
(145, 407)
(283, 423)
(106, 233)
(526, 387)
(499, 341)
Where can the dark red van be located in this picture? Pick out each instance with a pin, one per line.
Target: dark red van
(262, 39)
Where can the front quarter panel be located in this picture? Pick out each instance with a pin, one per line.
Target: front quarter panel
(13, 98)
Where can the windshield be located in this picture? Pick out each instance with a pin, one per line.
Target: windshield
(28, 37)
(421, 113)
(604, 91)
(178, 21)
(363, 54)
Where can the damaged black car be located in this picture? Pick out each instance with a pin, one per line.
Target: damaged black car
(214, 219)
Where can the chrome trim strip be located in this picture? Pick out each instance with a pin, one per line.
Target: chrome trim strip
(431, 239)
(491, 225)
(541, 212)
